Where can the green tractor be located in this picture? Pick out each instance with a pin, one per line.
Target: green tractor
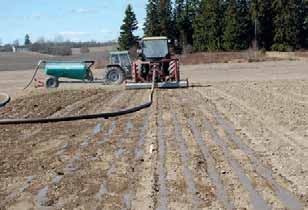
(119, 68)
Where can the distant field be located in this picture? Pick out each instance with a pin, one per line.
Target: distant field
(19, 61)
(26, 61)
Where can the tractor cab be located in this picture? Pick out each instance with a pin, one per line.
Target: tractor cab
(122, 59)
(154, 48)
(119, 68)
(154, 51)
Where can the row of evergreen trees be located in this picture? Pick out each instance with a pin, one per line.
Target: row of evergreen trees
(212, 25)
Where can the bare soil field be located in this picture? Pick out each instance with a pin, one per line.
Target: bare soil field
(236, 140)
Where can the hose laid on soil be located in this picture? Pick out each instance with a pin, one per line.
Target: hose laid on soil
(34, 74)
(84, 117)
(6, 99)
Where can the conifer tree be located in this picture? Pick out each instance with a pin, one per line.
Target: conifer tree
(245, 24)
(263, 19)
(152, 23)
(130, 24)
(27, 40)
(231, 33)
(165, 18)
(185, 13)
(284, 25)
(208, 26)
(301, 12)
(180, 21)
(200, 35)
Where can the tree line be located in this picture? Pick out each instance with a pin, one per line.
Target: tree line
(215, 25)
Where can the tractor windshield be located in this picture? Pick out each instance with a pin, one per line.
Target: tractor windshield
(155, 48)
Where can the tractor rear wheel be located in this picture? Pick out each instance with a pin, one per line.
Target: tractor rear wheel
(52, 82)
(114, 76)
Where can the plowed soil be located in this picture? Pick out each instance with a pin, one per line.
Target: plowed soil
(221, 144)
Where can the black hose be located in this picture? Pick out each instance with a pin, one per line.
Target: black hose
(75, 118)
(6, 100)
(83, 117)
(35, 73)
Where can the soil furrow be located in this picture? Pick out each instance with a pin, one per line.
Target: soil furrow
(138, 160)
(284, 195)
(285, 160)
(163, 192)
(304, 96)
(255, 198)
(254, 167)
(297, 141)
(211, 169)
(185, 158)
(285, 97)
(282, 109)
(142, 178)
(117, 133)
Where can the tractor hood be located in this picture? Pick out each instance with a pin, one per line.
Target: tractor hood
(155, 48)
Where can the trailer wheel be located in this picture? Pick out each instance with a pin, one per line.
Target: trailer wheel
(52, 82)
(90, 76)
(114, 76)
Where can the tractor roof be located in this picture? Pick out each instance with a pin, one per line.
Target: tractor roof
(155, 38)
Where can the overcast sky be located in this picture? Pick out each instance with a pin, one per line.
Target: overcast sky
(76, 20)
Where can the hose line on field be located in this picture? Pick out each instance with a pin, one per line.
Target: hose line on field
(35, 73)
(85, 117)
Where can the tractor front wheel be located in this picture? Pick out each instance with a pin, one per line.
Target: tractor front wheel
(114, 76)
(52, 82)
